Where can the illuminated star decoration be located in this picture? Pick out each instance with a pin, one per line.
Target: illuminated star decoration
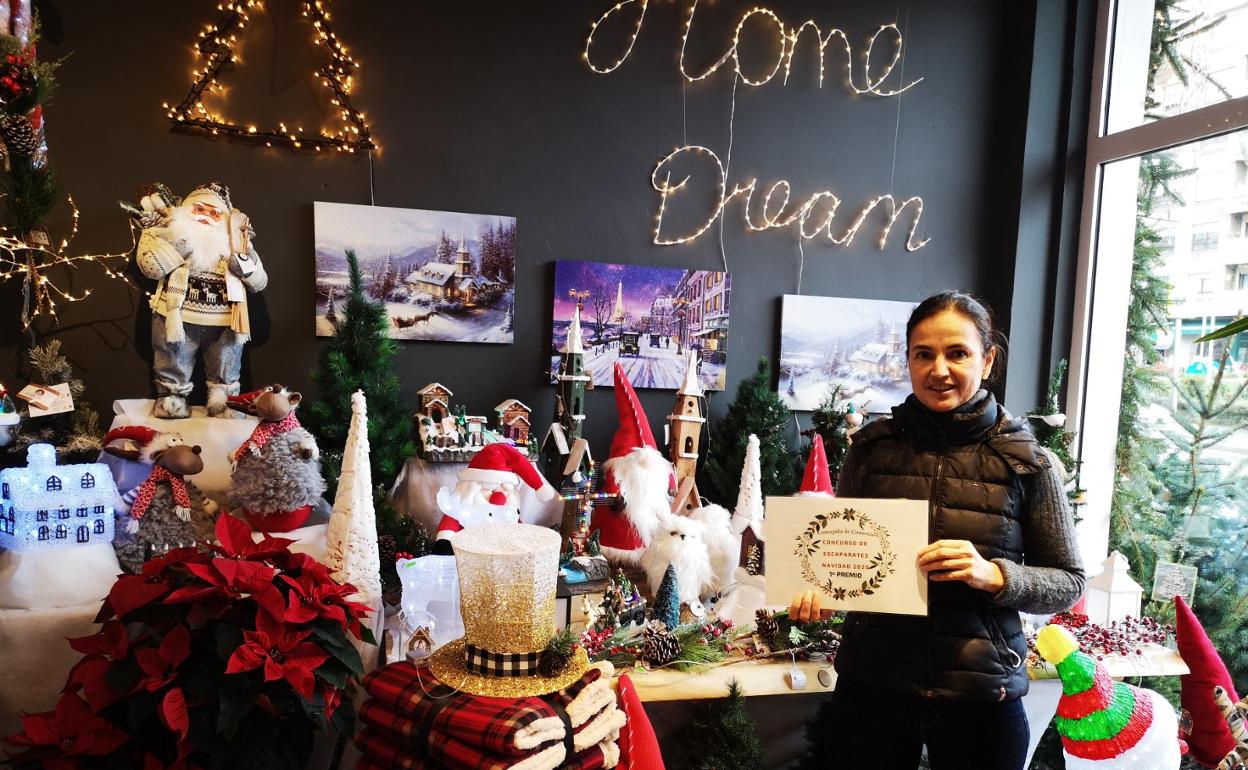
(215, 49)
(32, 261)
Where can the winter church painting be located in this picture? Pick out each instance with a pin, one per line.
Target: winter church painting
(858, 344)
(441, 275)
(647, 318)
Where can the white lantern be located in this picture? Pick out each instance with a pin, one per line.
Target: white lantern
(1113, 594)
(430, 602)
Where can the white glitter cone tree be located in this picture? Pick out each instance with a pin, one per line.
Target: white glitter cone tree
(351, 552)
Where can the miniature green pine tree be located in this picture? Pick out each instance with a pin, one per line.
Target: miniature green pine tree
(719, 736)
(758, 410)
(76, 435)
(667, 600)
(828, 420)
(361, 357)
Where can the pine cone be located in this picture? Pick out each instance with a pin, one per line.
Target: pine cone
(387, 547)
(768, 626)
(661, 646)
(19, 136)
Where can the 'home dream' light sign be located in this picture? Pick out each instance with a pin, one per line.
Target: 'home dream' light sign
(815, 215)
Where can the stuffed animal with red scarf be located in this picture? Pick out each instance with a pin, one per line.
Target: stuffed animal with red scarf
(164, 511)
(277, 474)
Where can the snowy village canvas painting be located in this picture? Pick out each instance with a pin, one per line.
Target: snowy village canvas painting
(858, 344)
(647, 318)
(441, 275)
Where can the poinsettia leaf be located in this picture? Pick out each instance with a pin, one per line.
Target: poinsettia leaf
(334, 642)
(234, 534)
(122, 676)
(366, 636)
(173, 712)
(334, 672)
(238, 697)
(176, 646)
(229, 639)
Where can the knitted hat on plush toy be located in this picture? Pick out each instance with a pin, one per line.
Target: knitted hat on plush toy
(1106, 724)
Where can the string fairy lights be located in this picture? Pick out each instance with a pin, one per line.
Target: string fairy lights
(215, 48)
(787, 37)
(32, 262)
(661, 180)
(821, 207)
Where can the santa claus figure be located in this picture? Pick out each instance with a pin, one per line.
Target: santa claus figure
(639, 474)
(199, 252)
(488, 491)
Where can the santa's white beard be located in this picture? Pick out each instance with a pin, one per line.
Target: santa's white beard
(204, 244)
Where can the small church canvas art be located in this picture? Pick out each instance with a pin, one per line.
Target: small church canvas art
(46, 506)
(441, 275)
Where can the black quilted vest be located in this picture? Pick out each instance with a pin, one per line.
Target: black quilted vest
(968, 463)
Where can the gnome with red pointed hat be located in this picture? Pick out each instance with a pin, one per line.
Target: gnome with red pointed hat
(641, 477)
(488, 490)
(817, 481)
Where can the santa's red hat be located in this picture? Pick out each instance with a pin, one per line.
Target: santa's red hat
(1211, 738)
(499, 464)
(243, 399)
(817, 481)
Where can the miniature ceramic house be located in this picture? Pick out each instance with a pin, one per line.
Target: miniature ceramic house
(45, 506)
(435, 401)
(514, 420)
(1113, 594)
(684, 435)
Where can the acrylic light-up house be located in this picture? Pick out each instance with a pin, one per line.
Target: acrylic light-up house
(46, 506)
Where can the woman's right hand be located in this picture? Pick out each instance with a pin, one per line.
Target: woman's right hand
(805, 608)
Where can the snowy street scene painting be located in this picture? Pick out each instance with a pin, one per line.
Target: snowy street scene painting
(859, 344)
(441, 275)
(647, 318)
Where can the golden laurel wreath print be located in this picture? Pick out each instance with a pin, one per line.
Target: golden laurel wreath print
(879, 566)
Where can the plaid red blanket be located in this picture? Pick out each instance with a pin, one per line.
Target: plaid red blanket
(421, 705)
(380, 753)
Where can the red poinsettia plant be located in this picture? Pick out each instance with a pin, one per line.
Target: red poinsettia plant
(229, 655)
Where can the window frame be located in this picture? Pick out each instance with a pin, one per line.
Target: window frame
(1102, 149)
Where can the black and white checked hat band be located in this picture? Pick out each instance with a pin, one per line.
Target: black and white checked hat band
(481, 661)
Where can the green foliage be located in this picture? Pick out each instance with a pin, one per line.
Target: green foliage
(820, 740)
(361, 357)
(667, 600)
(30, 194)
(76, 435)
(758, 410)
(719, 736)
(828, 420)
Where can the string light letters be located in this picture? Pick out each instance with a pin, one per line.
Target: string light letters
(781, 214)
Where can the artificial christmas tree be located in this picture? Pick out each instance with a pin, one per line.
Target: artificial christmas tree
(719, 736)
(829, 421)
(667, 600)
(76, 435)
(759, 411)
(361, 357)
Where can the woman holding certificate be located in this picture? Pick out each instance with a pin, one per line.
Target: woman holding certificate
(1001, 541)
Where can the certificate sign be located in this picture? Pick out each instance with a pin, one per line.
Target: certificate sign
(859, 554)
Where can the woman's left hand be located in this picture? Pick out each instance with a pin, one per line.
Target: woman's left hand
(957, 560)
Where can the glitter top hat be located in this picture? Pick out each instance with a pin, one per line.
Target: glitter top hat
(507, 577)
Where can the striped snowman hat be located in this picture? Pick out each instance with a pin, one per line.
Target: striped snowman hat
(1104, 723)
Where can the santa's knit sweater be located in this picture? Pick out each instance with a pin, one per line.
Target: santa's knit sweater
(205, 303)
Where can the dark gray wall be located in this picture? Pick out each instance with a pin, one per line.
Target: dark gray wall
(494, 111)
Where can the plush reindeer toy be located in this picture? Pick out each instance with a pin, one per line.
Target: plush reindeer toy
(164, 511)
(277, 473)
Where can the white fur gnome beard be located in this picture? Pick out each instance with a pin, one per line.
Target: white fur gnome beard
(205, 244)
(643, 476)
(679, 542)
